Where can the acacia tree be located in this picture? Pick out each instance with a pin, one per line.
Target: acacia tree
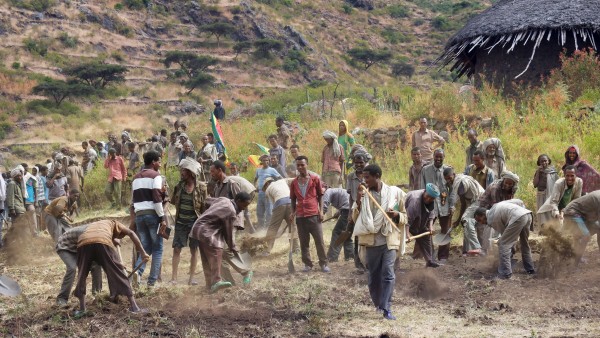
(401, 68)
(97, 74)
(263, 47)
(59, 90)
(217, 29)
(193, 66)
(240, 47)
(369, 57)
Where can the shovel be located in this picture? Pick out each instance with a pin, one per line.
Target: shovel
(443, 239)
(291, 268)
(9, 287)
(242, 260)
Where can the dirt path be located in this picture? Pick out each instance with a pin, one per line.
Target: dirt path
(456, 300)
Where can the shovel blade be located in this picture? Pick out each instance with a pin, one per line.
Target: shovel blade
(242, 260)
(344, 235)
(442, 239)
(9, 287)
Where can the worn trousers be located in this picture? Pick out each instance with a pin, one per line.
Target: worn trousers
(380, 261)
(281, 213)
(518, 230)
(211, 258)
(70, 260)
(112, 191)
(334, 251)
(444, 250)
(423, 244)
(470, 238)
(263, 211)
(311, 226)
(147, 228)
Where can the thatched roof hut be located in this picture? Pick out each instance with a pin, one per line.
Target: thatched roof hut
(521, 40)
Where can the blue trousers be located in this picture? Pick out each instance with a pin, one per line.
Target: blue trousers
(147, 228)
(380, 263)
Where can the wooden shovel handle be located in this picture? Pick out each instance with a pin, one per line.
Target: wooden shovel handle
(419, 236)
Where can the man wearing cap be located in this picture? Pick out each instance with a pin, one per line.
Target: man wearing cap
(116, 175)
(332, 159)
(502, 189)
(512, 220)
(420, 208)
(183, 138)
(434, 174)
(125, 138)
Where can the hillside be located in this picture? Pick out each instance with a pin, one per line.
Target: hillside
(43, 37)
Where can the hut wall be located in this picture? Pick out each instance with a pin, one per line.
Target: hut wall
(500, 68)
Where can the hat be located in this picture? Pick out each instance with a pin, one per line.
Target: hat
(15, 172)
(432, 190)
(510, 175)
(183, 135)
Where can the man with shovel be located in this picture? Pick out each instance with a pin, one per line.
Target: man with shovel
(96, 244)
(465, 189)
(338, 198)
(278, 194)
(381, 237)
(512, 220)
(420, 209)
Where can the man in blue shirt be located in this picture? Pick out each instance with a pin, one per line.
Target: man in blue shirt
(263, 208)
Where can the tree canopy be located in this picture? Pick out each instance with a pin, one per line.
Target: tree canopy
(217, 29)
(368, 56)
(193, 66)
(97, 74)
(60, 90)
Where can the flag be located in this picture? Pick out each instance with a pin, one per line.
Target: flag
(218, 134)
(255, 160)
(262, 148)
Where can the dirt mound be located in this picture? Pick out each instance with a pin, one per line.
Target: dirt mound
(425, 284)
(253, 245)
(557, 256)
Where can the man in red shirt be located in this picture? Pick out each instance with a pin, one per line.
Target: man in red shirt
(116, 174)
(306, 193)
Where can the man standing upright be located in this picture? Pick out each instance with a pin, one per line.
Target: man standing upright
(479, 171)
(219, 111)
(277, 150)
(424, 138)
(173, 151)
(332, 159)
(263, 208)
(14, 195)
(360, 160)
(306, 193)
(89, 157)
(283, 133)
(415, 181)
(147, 214)
(116, 175)
(434, 174)
(474, 145)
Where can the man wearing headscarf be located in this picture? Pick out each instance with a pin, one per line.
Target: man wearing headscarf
(502, 189)
(125, 138)
(332, 158)
(219, 111)
(420, 208)
(587, 173)
(14, 195)
(494, 156)
(189, 196)
(346, 140)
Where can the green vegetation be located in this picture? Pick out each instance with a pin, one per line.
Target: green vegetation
(394, 36)
(276, 3)
(241, 47)
(136, 4)
(218, 29)
(264, 47)
(36, 46)
(294, 61)
(60, 90)
(193, 67)
(402, 68)
(68, 41)
(347, 8)
(368, 57)
(34, 5)
(397, 11)
(97, 74)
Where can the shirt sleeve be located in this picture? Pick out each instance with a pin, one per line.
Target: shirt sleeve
(157, 196)
(326, 200)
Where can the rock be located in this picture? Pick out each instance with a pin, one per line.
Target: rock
(372, 21)
(55, 13)
(108, 23)
(89, 15)
(39, 16)
(188, 108)
(293, 33)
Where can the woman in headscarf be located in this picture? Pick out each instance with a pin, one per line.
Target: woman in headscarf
(494, 156)
(543, 180)
(346, 140)
(332, 159)
(587, 173)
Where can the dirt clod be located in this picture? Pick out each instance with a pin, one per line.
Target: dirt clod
(425, 284)
(557, 256)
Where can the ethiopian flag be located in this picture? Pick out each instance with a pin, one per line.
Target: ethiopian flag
(218, 134)
(262, 148)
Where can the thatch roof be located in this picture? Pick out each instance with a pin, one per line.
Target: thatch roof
(510, 22)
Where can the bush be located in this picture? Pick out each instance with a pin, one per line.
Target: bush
(276, 3)
(39, 47)
(118, 6)
(34, 5)
(263, 47)
(397, 11)
(442, 23)
(580, 72)
(68, 41)
(235, 10)
(402, 68)
(15, 65)
(393, 36)
(47, 107)
(348, 9)
(136, 4)
(291, 65)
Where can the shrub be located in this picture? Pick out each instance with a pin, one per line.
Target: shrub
(442, 23)
(47, 107)
(276, 3)
(369, 57)
(118, 6)
(393, 36)
(68, 41)
(291, 65)
(397, 11)
(136, 4)
(418, 22)
(235, 10)
(15, 65)
(39, 47)
(263, 47)
(348, 9)
(402, 68)
(118, 56)
(580, 72)
(34, 5)
(240, 47)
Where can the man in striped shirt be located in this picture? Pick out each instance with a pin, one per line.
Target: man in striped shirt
(147, 214)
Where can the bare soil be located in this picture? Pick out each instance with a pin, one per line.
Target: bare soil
(457, 299)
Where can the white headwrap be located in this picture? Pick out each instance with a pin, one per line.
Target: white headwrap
(510, 175)
(191, 165)
(336, 146)
(16, 172)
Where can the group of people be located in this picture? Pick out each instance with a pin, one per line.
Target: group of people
(374, 219)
